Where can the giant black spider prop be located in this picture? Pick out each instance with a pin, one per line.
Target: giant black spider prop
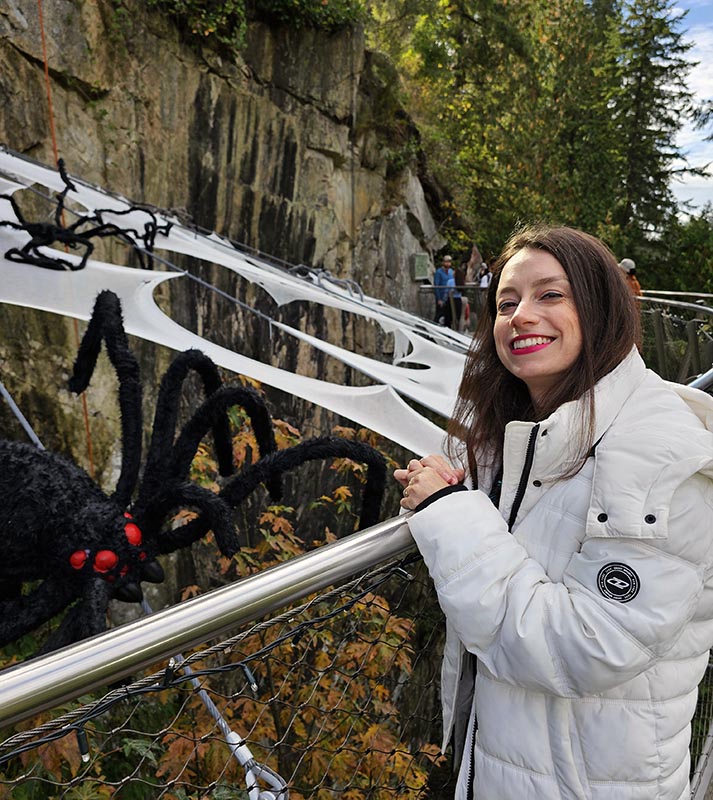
(78, 548)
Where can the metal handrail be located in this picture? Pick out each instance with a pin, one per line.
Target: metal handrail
(675, 294)
(47, 681)
(699, 309)
(704, 381)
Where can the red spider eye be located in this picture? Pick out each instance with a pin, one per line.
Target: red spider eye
(142, 556)
(133, 533)
(78, 558)
(105, 560)
(127, 515)
(124, 570)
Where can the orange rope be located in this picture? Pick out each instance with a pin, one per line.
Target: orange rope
(85, 410)
(47, 80)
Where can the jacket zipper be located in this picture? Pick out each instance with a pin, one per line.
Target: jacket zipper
(471, 766)
(522, 486)
(517, 502)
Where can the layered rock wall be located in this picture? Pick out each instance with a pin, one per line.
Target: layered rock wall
(268, 148)
(289, 148)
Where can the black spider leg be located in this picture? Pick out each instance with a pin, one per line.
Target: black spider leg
(106, 323)
(166, 460)
(215, 515)
(325, 447)
(73, 236)
(148, 237)
(45, 234)
(178, 463)
(159, 457)
(62, 196)
(42, 234)
(76, 235)
(84, 619)
(213, 410)
(24, 613)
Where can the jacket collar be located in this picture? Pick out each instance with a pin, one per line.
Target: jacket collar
(564, 427)
(662, 436)
(558, 443)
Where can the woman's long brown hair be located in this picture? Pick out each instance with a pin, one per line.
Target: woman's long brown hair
(489, 396)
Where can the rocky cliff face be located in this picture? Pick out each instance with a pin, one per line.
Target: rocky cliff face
(297, 149)
(294, 149)
(276, 149)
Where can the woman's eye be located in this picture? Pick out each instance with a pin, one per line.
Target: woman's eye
(551, 296)
(506, 306)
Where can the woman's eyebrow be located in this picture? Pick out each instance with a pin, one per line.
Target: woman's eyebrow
(552, 279)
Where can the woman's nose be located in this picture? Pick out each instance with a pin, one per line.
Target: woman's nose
(526, 312)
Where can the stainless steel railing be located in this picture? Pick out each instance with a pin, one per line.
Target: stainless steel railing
(704, 381)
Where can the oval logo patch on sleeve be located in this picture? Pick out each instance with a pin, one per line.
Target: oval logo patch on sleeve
(618, 582)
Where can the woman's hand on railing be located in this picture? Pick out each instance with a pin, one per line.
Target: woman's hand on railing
(422, 478)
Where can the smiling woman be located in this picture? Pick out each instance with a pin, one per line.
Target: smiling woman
(587, 311)
(575, 575)
(537, 334)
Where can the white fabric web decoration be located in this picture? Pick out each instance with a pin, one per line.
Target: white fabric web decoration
(436, 352)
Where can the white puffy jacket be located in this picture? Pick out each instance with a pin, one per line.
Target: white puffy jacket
(592, 620)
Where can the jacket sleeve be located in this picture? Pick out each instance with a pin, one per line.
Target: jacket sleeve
(575, 637)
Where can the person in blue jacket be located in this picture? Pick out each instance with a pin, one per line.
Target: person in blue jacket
(570, 540)
(440, 281)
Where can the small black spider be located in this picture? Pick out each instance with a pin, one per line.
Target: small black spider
(78, 234)
(78, 547)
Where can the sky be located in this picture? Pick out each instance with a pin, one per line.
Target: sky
(698, 26)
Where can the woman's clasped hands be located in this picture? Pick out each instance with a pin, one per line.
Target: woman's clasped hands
(423, 477)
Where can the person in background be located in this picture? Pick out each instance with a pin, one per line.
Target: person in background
(454, 302)
(440, 282)
(474, 262)
(483, 281)
(571, 545)
(484, 276)
(629, 267)
(460, 279)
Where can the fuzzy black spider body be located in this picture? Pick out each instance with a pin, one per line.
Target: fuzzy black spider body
(70, 546)
(81, 545)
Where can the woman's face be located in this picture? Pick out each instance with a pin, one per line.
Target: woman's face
(537, 333)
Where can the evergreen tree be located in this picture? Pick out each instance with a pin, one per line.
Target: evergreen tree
(585, 146)
(649, 108)
(688, 265)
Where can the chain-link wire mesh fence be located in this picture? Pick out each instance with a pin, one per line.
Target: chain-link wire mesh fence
(677, 341)
(334, 698)
(702, 736)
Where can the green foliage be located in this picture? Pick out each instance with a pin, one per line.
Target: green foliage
(327, 15)
(222, 20)
(558, 110)
(225, 21)
(650, 106)
(686, 257)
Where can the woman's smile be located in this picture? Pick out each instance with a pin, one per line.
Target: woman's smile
(521, 345)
